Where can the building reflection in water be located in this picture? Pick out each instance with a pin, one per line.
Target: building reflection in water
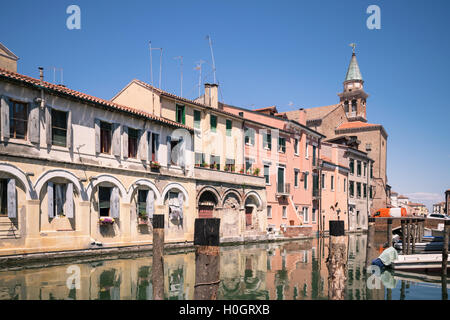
(294, 270)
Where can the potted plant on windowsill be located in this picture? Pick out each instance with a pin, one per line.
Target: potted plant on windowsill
(233, 168)
(241, 171)
(256, 172)
(143, 218)
(154, 165)
(227, 168)
(104, 221)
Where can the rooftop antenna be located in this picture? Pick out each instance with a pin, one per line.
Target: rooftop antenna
(61, 75)
(212, 57)
(151, 63)
(199, 67)
(181, 70)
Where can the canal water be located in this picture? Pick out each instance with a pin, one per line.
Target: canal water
(295, 270)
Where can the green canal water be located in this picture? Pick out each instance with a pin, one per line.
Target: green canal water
(295, 270)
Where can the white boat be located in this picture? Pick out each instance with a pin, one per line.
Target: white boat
(431, 262)
(422, 246)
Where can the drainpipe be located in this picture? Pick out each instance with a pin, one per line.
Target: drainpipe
(319, 209)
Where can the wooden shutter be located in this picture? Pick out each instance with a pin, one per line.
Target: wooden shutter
(180, 203)
(169, 150)
(150, 203)
(12, 199)
(48, 125)
(69, 137)
(150, 147)
(50, 200)
(114, 203)
(143, 145)
(68, 210)
(4, 110)
(116, 139)
(33, 123)
(125, 141)
(97, 135)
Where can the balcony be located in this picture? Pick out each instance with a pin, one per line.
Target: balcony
(283, 189)
(207, 174)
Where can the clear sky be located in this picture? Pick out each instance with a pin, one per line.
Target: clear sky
(285, 53)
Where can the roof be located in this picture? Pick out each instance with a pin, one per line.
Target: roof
(353, 72)
(413, 204)
(58, 89)
(8, 52)
(402, 197)
(313, 113)
(356, 124)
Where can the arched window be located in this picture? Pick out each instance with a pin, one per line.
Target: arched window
(353, 105)
(346, 106)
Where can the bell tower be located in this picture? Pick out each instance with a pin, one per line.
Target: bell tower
(353, 98)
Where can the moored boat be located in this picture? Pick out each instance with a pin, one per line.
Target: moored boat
(419, 262)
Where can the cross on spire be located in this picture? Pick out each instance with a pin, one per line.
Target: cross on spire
(353, 45)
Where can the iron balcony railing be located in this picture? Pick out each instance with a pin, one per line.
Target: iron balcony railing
(283, 188)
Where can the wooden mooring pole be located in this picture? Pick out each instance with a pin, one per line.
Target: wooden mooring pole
(403, 224)
(408, 236)
(337, 261)
(445, 247)
(389, 232)
(158, 257)
(370, 241)
(207, 258)
(413, 236)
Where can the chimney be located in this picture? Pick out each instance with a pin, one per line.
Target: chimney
(41, 74)
(211, 95)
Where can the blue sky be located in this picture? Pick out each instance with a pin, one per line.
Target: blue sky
(267, 53)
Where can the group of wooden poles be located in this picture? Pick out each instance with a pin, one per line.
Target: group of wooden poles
(207, 263)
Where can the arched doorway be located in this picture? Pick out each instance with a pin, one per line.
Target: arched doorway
(206, 204)
(251, 205)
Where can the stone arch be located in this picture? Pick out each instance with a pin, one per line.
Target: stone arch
(21, 177)
(253, 195)
(177, 186)
(232, 192)
(58, 173)
(107, 178)
(145, 183)
(212, 190)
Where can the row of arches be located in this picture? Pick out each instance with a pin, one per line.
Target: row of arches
(211, 195)
(32, 191)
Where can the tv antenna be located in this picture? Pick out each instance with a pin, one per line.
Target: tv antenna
(181, 70)
(199, 67)
(151, 64)
(61, 74)
(212, 57)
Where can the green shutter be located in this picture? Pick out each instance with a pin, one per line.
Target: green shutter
(213, 123)
(197, 119)
(229, 124)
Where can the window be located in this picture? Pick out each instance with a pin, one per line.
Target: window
(353, 105)
(142, 201)
(241, 114)
(59, 128)
(269, 211)
(230, 165)
(313, 216)
(105, 137)
(314, 155)
(352, 166)
(181, 114)
(213, 122)
(267, 140)
(345, 185)
(371, 192)
(306, 181)
(284, 212)
(3, 197)
(59, 199)
(199, 158)
(365, 190)
(104, 196)
(248, 165)
(296, 178)
(215, 162)
(132, 142)
(351, 188)
(267, 173)
(281, 144)
(197, 119)
(18, 122)
(296, 146)
(358, 189)
(365, 169)
(306, 151)
(155, 146)
(323, 180)
(229, 124)
(358, 168)
(249, 136)
(281, 188)
(346, 106)
(305, 214)
(332, 183)
(371, 170)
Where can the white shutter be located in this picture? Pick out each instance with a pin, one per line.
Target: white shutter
(12, 199)
(69, 136)
(150, 147)
(48, 125)
(125, 141)
(114, 203)
(180, 203)
(116, 140)
(68, 210)
(169, 150)
(143, 145)
(4, 110)
(50, 200)
(150, 203)
(33, 123)
(97, 135)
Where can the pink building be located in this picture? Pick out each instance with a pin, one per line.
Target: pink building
(286, 152)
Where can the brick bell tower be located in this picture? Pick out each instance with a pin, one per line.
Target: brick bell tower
(353, 99)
